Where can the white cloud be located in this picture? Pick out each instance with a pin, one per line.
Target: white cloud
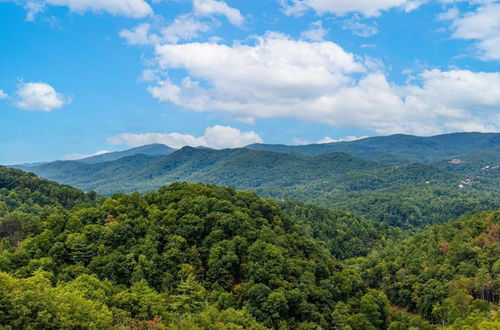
(77, 156)
(213, 7)
(316, 32)
(216, 137)
(482, 26)
(3, 95)
(341, 7)
(33, 8)
(300, 141)
(148, 75)
(450, 14)
(127, 8)
(184, 27)
(278, 77)
(350, 138)
(358, 27)
(139, 35)
(39, 96)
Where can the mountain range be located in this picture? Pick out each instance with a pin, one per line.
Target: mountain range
(396, 169)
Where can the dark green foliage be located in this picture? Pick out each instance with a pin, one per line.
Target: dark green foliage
(26, 201)
(194, 256)
(347, 235)
(17, 186)
(410, 206)
(446, 273)
(425, 187)
(182, 251)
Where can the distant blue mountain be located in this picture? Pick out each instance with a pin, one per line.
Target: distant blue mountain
(310, 170)
(400, 148)
(147, 150)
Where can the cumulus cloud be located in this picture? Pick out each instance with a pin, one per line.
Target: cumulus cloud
(278, 77)
(341, 7)
(77, 156)
(481, 26)
(214, 7)
(3, 95)
(39, 96)
(216, 137)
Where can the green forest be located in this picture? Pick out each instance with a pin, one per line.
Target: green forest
(404, 181)
(197, 256)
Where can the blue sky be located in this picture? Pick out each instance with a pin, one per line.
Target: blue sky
(84, 76)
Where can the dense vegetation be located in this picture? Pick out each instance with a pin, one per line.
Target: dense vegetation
(193, 256)
(449, 274)
(404, 195)
(185, 256)
(346, 234)
(410, 206)
(24, 199)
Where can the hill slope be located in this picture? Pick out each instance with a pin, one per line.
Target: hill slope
(148, 150)
(188, 257)
(401, 148)
(403, 194)
(449, 274)
(202, 257)
(241, 168)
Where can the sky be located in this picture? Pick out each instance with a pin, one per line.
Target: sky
(83, 77)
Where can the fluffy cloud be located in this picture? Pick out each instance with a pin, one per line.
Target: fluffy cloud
(39, 96)
(216, 137)
(3, 95)
(184, 27)
(213, 7)
(139, 35)
(482, 26)
(342, 7)
(277, 77)
(82, 156)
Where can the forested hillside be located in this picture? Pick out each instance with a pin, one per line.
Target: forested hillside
(193, 256)
(187, 256)
(404, 195)
(450, 274)
(346, 235)
(401, 148)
